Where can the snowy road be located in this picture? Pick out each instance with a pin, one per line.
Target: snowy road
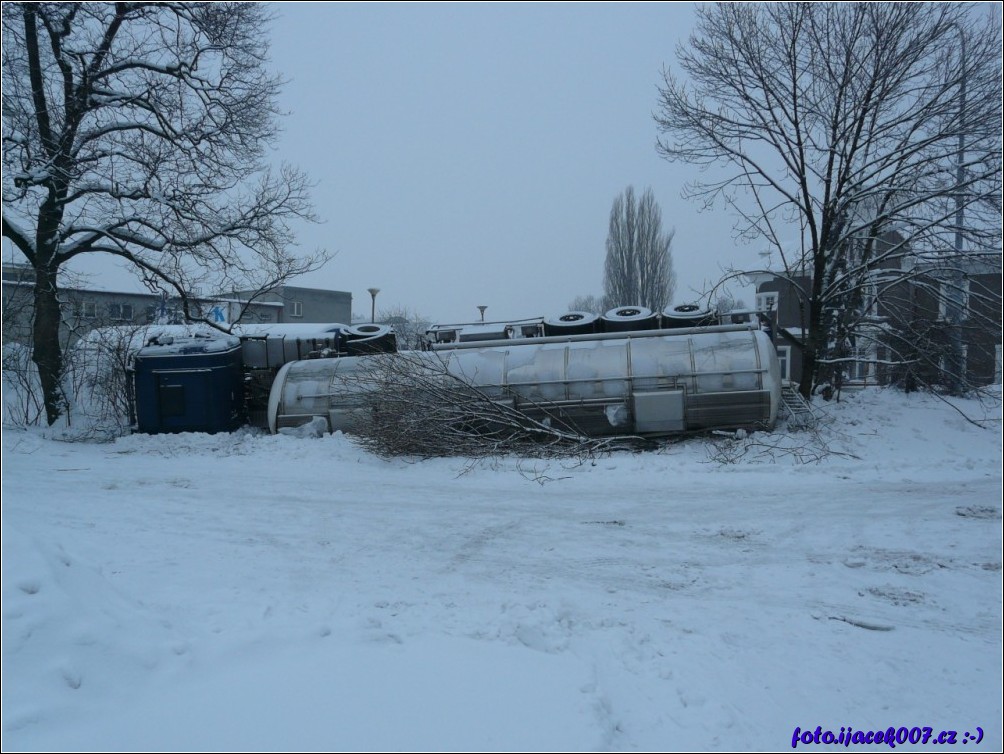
(259, 592)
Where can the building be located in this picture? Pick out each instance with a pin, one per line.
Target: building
(299, 304)
(917, 311)
(906, 324)
(85, 309)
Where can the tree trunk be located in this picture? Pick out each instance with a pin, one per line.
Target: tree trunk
(808, 371)
(816, 342)
(46, 350)
(47, 353)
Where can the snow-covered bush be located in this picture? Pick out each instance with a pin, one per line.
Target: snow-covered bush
(96, 389)
(97, 382)
(22, 392)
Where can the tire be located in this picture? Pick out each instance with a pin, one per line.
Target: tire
(370, 339)
(687, 315)
(572, 323)
(629, 318)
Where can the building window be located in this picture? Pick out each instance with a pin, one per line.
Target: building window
(296, 308)
(862, 369)
(945, 363)
(784, 357)
(949, 293)
(869, 292)
(85, 309)
(120, 312)
(767, 302)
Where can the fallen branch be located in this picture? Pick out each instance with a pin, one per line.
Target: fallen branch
(411, 404)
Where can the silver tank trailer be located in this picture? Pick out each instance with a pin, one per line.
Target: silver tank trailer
(647, 383)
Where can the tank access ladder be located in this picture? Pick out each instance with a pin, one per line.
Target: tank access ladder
(796, 409)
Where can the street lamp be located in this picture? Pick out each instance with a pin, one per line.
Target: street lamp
(373, 293)
(482, 310)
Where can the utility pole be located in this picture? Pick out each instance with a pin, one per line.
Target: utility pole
(954, 296)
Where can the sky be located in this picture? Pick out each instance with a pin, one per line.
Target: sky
(469, 154)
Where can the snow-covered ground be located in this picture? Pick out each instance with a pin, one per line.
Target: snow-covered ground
(290, 592)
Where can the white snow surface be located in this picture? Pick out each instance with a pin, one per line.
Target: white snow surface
(292, 592)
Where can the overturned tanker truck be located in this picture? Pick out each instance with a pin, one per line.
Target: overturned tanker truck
(645, 382)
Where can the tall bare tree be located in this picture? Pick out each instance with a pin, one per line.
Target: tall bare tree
(140, 130)
(639, 265)
(836, 124)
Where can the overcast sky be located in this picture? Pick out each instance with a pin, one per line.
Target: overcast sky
(468, 155)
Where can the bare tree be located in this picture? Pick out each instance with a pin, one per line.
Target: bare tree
(140, 130)
(840, 124)
(409, 326)
(725, 302)
(639, 266)
(589, 303)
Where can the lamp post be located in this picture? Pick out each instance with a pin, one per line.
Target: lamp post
(373, 292)
(482, 310)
